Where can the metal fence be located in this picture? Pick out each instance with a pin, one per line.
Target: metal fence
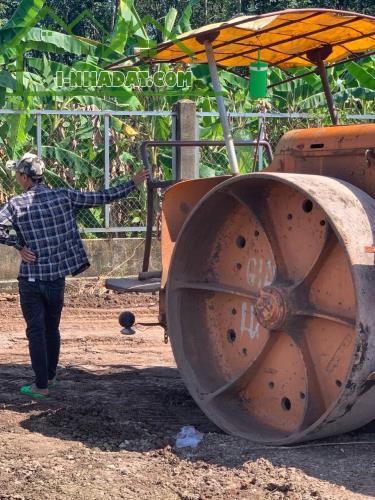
(255, 126)
(92, 149)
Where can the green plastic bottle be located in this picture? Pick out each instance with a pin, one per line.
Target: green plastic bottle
(258, 79)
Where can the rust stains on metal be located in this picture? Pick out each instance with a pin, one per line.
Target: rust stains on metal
(292, 362)
(271, 308)
(178, 202)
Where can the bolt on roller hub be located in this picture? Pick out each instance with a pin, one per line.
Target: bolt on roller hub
(269, 302)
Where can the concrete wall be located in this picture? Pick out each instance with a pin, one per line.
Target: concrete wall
(116, 257)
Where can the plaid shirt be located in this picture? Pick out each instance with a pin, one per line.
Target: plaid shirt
(44, 221)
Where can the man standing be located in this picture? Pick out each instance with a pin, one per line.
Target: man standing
(50, 246)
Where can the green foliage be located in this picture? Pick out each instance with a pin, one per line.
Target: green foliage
(73, 147)
(24, 17)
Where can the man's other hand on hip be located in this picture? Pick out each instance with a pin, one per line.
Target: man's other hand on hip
(27, 255)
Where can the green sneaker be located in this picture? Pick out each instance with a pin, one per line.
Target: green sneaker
(27, 390)
(52, 383)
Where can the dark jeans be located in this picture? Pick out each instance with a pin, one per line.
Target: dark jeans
(41, 304)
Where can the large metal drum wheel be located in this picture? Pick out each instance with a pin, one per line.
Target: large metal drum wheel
(271, 306)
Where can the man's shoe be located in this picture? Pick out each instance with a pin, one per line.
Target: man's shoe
(29, 390)
(52, 383)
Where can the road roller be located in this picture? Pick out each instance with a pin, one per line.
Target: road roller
(267, 286)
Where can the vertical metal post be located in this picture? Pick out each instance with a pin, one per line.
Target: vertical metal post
(39, 134)
(221, 108)
(318, 56)
(174, 156)
(261, 138)
(106, 167)
(327, 91)
(197, 150)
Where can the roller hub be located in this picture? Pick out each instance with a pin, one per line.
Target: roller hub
(270, 306)
(271, 309)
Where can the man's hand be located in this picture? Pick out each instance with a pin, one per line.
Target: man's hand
(27, 255)
(141, 176)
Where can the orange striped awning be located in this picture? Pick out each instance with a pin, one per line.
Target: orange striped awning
(283, 38)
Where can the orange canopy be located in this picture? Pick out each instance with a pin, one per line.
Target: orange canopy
(283, 39)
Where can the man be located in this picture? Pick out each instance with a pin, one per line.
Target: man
(50, 246)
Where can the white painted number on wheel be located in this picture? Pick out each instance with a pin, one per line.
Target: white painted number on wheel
(260, 272)
(249, 323)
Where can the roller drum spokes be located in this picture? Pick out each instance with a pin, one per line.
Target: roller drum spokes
(270, 305)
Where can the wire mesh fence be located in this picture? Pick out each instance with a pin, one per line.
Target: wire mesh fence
(72, 146)
(9, 126)
(249, 127)
(214, 160)
(125, 160)
(91, 150)
(97, 151)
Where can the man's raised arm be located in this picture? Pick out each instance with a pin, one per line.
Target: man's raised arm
(88, 199)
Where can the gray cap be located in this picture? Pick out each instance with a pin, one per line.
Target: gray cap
(29, 164)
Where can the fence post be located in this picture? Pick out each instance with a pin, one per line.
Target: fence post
(261, 136)
(106, 167)
(174, 158)
(39, 135)
(187, 158)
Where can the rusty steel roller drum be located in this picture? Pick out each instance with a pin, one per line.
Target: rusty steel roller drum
(270, 306)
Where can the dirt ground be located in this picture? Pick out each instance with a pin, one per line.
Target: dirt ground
(108, 430)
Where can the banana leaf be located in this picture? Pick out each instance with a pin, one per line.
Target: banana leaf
(169, 21)
(363, 76)
(25, 16)
(80, 165)
(58, 43)
(7, 80)
(17, 135)
(128, 24)
(183, 24)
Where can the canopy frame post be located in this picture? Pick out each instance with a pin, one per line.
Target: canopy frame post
(317, 56)
(221, 108)
(331, 106)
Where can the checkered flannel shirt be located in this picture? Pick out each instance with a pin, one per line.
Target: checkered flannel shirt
(44, 221)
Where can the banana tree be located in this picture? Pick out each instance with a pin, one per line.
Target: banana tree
(73, 146)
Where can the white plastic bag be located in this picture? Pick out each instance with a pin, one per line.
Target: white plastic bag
(188, 437)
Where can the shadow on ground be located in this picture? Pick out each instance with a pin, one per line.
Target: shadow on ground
(137, 409)
(123, 407)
